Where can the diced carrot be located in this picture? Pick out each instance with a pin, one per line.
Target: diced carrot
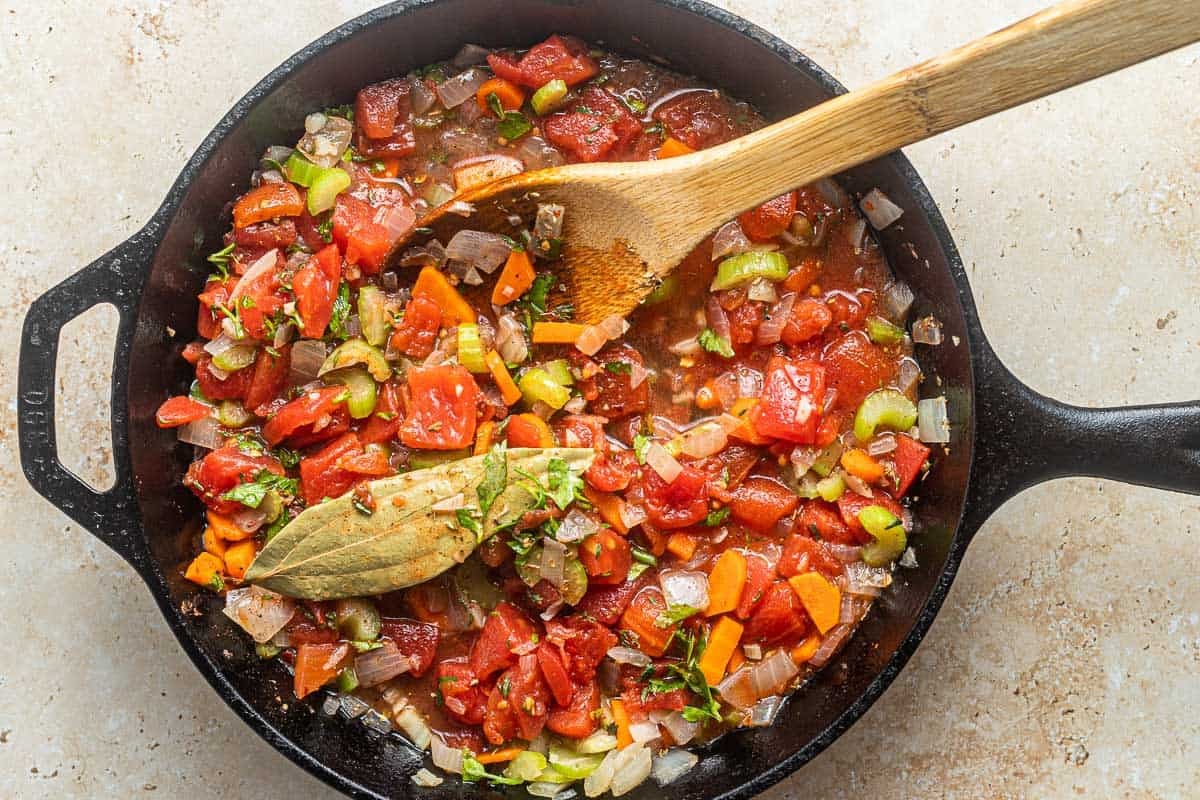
(741, 410)
(621, 717)
(821, 599)
(316, 665)
(722, 642)
(268, 201)
(609, 507)
(515, 279)
(860, 464)
(672, 147)
(499, 756)
(706, 397)
(510, 95)
(804, 651)
(238, 557)
(483, 437)
(433, 284)
(203, 569)
(725, 583)
(681, 545)
(213, 544)
(225, 528)
(529, 430)
(509, 391)
(656, 539)
(556, 332)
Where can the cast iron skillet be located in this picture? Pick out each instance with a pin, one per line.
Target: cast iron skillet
(1005, 436)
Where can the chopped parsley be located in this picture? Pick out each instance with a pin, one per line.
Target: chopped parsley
(565, 487)
(220, 260)
(717, 517)
(473, 771)
(713, 343)
(345, 111)
(641, 443)
(234, 314)
(644, 556)
(251, 493)
(495, 478)
(619, 367)
(325, 229)
(466, 518)
(675, 613)
(513, 124)
(290, 459)
(216, 582)
(341, 312)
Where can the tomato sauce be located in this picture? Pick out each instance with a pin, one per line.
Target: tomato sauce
(752, 426)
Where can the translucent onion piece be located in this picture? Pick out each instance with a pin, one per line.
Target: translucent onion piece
(830, 644)
(576, 405)
(680, 729)
(645, 731)
(663, 462)
(554, 559)
(220, 344)
(857, 485)
(737, 689)
(414, 727)
(426, 779)
(628, 655)
(908, 376)
(284, 334)
(846, 553)
(933, 423)
(909, 558)
(445, 757)
(927, 330)
(453, 91)
(762, 290)
(599, 742)
(704, 440)
(866, 580)
(729, 240)
(249, 520)
(307, 357)
(204, 433)
(536, 153)
(462, 208)
(687, 347)
(275, 154)
(591, 340)
(575, 526)
(882, 444)
(672, 765)
(632, 515)
(879, 208)
(637, 375)
(483, 251)
(510, 339)
(684, 588)
(763, 712)
(422, 96)
(552, 610)
(614, 326)
(549, 221)
(381, 664)
(832, 193)
(770, 330)
(803, 457)
(897, 300)
(549, 789)
(753, 652)
(598, 782)
(856, 233)
(259, 612)
(632, 767)
(325, 146)
(854, 608)
(773, 674)
(718, 320)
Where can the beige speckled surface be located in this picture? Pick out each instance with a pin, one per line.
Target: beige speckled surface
(1067, 658)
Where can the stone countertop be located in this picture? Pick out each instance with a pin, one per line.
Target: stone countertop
(1066, 658)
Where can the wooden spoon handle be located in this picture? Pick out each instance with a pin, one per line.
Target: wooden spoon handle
(1060, 47)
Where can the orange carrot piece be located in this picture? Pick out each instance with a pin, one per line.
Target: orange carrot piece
(735, 661)
(556, 332)
(672, 147)
(681, 545)
(509, 391)
(224, 528)
(529, 430)
(741, 410)
(213, 544)
(722, 642)
(821, 599)
(515, 279)
(268, 201)
(510, 95)
(609, 507)
(725, 583)
(804, 651)
(238, 557)
(483, 437)
(860, 464)
(621, 717)
(433, 284)
(203, 569)
(499, 756)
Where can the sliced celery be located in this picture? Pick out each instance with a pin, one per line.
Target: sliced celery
(739, 270)
(234, 358)
(549, 96)
(356, 351)
(324, 190)
(536, 384)
(300, 171)
(560, 371)
(888, 533)
(362, 388)
(886, 407)
(470, 348)
(831, 488)
(883, 332)
(372, 315)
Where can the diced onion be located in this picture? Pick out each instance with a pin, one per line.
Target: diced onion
(575, 526)
(325, 145)
(220, 344)
(856, 233)
(830, 644)
(549, 221)
(846, 553)
(591, 340)
(536, 153)
(554, 559)
(446, 757)
(510, 339)
(284, 334)
(628, 655)
(729, 240)
(933, 423)
(882, 444)
(552, 610)
(632, 766)
(600, 741)
(422, 96)
(481, 250)
(879, 208)
(469, 55)
(460, 208)
(204, 433)
(773, 674)
(663, 462)
(672, 765)
(637, 375)
(684, 588)
(897, 300)
(598, 782)
(414, 727)
(909, 558)
(737, 689)
(753, 651)
(426, 779)
(857, 485)
(803, 457)
(307, 357)
(770, 330)
(927, 330)
(762, 290)
(614, 326)
(687, 347)
(454, 91)
(249, 520)
(908, 376)
(550, 789)
(854, 608)
(632, 515)
(452, 503)
(718, 320)
(680, 729)
(381, 664)
(865, 580)
(259, 612)
(704, 440)
(644, 731)
(764, 712)
(832, 193)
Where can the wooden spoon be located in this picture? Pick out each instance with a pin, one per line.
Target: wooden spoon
(628, 225)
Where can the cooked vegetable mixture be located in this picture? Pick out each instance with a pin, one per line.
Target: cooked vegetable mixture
(547, 551)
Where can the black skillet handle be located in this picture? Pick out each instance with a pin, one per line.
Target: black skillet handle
(113, 278)
(1023, 438)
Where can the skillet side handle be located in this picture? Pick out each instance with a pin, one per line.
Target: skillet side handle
(1023, 438)
(114, 278)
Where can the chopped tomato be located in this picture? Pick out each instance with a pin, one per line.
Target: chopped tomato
(302, 414)
(518, 703)
(780, 617)
(256, 297)
(384, 120)
(855, 367)
(269, 376)
(801, 553)
(554, 672)
(176, 411)
(216, 292)
(821, 521)
(562, 58)
(610, 110)
(366, 234)
(268, 201)
(579, 719)
(849, 504)
(304, 631)
(644, 621)
(463, 696)
(506, 628)
(849, 310)
(801, 276)
(678, 504)
(809, 319)
(611, 470)
(606, 556)
(266, 235)
(909, 457)
(759, 574)
(316, 665)
(442, 415)
(743, 323)
(326, 427)
(316, 287)
(322, 477)
(772, 218)
(606, 604)
(528, 430)
(223, 469)
(416, 334)
(384, 424)
(792, 398)
(580, 135)
(417, 640)
(761, 502)
(698, 119)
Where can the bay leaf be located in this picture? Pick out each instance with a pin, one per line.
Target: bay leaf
(332, 550)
